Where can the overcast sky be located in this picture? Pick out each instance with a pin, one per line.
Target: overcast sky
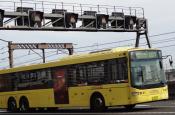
(160, 15)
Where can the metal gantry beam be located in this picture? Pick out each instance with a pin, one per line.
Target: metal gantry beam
(41, 46)
(56, 16)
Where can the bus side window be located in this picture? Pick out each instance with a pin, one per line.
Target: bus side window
(71, 74)
(111, 72)
(96, 72)
(122, 69)
(81, 73)
(33, 76)
(5, 83)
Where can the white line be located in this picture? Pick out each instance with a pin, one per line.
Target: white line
(163, 106)
(139, 113)
(143, 105)
(107, 113)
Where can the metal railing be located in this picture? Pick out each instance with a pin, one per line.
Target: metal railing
(47, 6)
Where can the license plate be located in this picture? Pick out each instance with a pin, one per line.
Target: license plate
(154, 98)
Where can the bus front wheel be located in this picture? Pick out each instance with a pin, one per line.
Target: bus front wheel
(12, 107)
(23, 105)
(97, 103)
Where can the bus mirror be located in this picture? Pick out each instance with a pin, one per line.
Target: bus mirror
(171, 62)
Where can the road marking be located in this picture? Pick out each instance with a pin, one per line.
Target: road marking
(143, 105)
(159, 106)
(107, 113)
(140, 113)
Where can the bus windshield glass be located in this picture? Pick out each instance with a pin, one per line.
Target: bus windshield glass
(147, 69)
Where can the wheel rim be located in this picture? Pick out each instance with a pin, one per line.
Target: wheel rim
(24, 107)
(12, 106)
(98, 104)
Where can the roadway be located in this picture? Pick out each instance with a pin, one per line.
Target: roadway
(154, 108)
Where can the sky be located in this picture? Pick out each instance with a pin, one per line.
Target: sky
(160, 15)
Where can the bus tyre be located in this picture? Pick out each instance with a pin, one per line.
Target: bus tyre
(129, 107)
(12, 107)
(24, 105)
(97, 103)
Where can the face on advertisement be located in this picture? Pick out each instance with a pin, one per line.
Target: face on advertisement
(59, 82)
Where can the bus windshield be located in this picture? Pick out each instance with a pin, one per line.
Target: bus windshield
(147, 69)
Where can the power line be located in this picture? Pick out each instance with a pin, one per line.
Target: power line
(109, 43)
(4, 40)
(160, 41)
(155, 35)
(36, 59)
(32, 54)
(22, 56)
(4, 52)
(78, 51)
(93, 50)
(166, 46)
(4, 58)
(3, 47)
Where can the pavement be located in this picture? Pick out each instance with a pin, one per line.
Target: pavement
(154, 108)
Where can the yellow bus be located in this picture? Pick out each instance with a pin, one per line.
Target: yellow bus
(97, 80)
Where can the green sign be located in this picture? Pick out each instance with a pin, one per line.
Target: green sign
(144, 54)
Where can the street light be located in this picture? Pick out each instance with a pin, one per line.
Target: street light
(70, 19)
(102, 20)
(35, 18)
(130, 21)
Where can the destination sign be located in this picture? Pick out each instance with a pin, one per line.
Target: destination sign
(144, 54)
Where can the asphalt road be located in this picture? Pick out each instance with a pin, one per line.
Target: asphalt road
(154, 108)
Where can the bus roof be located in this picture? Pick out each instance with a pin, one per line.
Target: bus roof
(77, 58)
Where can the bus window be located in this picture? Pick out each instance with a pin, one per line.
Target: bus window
(71, 75)
(122, 70)
(95, 73)
(33, 76)
(111, 70)
(81, 74)
(5, 83)
(116, 70)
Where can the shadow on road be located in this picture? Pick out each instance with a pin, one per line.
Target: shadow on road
(85, 111)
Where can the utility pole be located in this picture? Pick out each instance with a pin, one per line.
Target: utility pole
(10, 51)
(10, 54)
(44, 57)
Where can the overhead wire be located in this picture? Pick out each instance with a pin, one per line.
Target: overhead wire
(155, 35)
(154, 42)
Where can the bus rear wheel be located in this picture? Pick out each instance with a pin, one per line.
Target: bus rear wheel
(23, 105)
(97, 103)
(12, 107)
